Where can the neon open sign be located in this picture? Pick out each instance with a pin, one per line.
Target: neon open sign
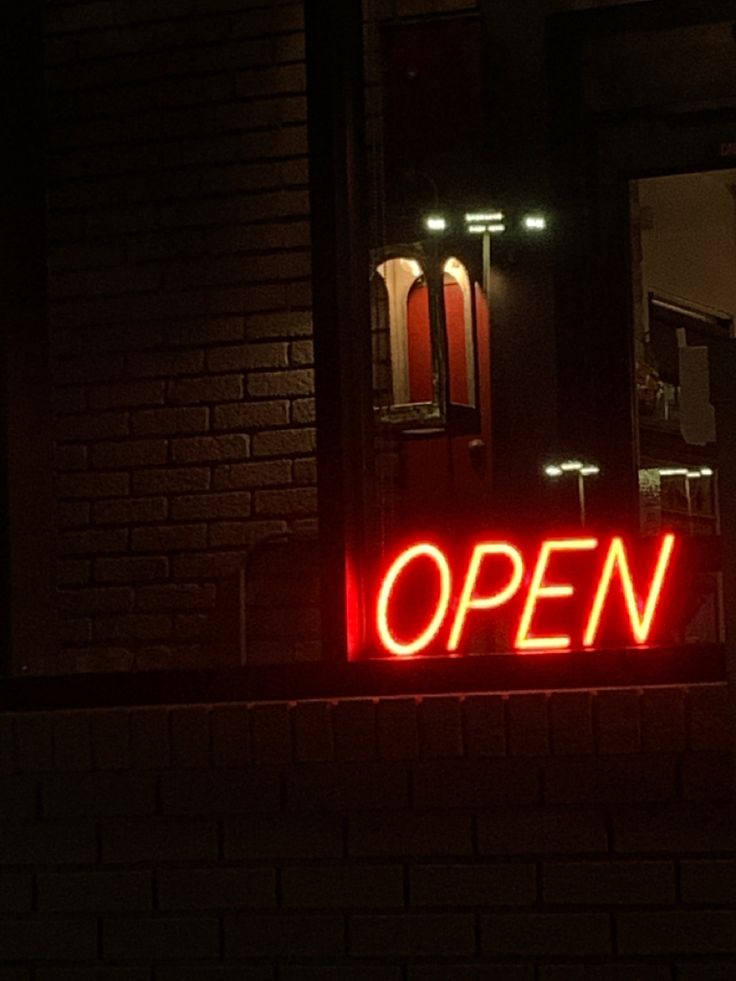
(561, 596)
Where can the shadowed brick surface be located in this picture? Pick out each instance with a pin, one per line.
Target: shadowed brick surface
(272, 841)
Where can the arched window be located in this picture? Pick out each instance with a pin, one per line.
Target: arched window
(424, 343)
(459, 322)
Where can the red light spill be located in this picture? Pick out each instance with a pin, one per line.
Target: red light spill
(468, 601)
(432, 629)
(353, 608)
(538, 590)
(640, 614)
(641, 623)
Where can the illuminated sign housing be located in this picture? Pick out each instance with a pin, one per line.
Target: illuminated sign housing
(580, 581)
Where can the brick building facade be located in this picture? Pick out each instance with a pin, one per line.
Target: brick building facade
(544, 836)
(179, 309)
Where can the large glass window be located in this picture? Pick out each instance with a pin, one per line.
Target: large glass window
(684, 251)
(490, 500)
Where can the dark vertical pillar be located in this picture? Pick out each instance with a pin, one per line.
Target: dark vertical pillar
(594, 334)
(523, 391)
(723, 396)
(518, 112)
(26, 503)
(524, 382)
(609, 325)
(341, 303)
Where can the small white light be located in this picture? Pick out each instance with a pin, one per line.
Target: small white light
(477, 229)
(673, 472)
(706, 472)
(495, 228)
(694, 475)
(553, 471)
(476, 216)
(435, 223)
(535, 223)
(570, 465)
(589, 470)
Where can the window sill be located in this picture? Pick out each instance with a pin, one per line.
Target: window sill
(374, 678)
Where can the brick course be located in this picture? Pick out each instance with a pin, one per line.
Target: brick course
(217, 840)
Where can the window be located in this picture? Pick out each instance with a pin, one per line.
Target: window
(496, 480)
(424, 315)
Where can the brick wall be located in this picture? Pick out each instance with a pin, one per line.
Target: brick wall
(179, 311)
(534, 837)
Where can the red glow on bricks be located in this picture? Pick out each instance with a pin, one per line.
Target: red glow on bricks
(418, 588)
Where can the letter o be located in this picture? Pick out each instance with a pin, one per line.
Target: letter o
(387, 586)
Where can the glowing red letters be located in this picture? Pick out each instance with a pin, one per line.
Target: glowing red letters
(542, 587)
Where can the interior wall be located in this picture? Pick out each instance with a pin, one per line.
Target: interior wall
(688, 236)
